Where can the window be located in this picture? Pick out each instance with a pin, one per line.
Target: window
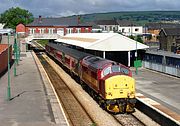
(110, 28)
(31, 30)
(51, 30)
(69, 30)
(136, 29)
(116, 68)
(107, 71)
(124, 70)
(86, 30)
(41, 30)
(105, 28)
(123, 30)
(78, 30)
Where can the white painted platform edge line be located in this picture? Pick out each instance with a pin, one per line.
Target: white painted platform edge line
(150, 101)
(164, 114)
(60, 105)
(139, 94)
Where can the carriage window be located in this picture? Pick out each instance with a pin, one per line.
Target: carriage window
(116, 68)
(124, 70)
(107, 71)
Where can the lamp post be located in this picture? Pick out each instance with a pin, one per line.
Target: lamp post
(136, 59)
(15, 54)
(18, 50)
(8, 88)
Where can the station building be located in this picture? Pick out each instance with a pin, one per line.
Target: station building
(61, 26)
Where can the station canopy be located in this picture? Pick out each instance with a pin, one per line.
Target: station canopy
(102, 41)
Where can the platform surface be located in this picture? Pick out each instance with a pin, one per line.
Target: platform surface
(164, 89)
(29, 104)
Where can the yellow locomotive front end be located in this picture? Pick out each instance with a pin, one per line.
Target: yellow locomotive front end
(120, 93)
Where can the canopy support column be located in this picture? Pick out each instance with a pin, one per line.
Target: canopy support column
(104, 54)
(129, 58)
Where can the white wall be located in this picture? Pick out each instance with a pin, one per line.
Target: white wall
(128, 30)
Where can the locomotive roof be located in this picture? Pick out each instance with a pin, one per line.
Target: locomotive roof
(69, 51)
(97, 62)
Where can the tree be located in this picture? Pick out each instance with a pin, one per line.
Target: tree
(139, 39)
(149, 37)
(131, 37)
(13, 16)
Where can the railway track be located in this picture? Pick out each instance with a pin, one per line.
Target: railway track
(128, 120)
(76, 114)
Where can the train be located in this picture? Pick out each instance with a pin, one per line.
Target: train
(4, 58)
(110, 83)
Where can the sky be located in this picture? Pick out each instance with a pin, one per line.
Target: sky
(59, 8)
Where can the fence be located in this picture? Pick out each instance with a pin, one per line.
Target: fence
(171, 70)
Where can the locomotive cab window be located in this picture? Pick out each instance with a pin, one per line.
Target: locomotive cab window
(116, 68)
(107, 71)
(124, 70)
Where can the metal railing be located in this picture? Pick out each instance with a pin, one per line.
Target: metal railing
(45, 36)
(30, 37)
(171, 70)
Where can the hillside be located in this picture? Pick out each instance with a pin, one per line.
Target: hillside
(140, 17)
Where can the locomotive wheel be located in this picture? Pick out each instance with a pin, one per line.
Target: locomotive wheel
(122, 108)
(113, 108)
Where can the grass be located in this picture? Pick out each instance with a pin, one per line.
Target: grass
(43, 42)
(94, 124)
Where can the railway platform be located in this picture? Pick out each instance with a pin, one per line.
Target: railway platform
(32, 102)
(161, 89)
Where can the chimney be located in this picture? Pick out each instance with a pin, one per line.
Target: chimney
(40, 19)
(79, 19)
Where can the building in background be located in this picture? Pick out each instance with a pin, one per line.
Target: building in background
(21, 29)
(129, 28)
(124, 27)
(169, 39)
(155, 28)
(61, 26)
(107, 25)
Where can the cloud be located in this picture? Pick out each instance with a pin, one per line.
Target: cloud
(73, 7)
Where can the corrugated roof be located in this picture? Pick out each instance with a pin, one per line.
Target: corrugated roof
(104, 42)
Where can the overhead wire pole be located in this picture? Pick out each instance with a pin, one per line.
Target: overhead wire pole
(8, 88)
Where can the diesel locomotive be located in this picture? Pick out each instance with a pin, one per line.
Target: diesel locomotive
(108, 82)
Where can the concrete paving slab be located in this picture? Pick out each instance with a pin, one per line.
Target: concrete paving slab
(29, 104)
